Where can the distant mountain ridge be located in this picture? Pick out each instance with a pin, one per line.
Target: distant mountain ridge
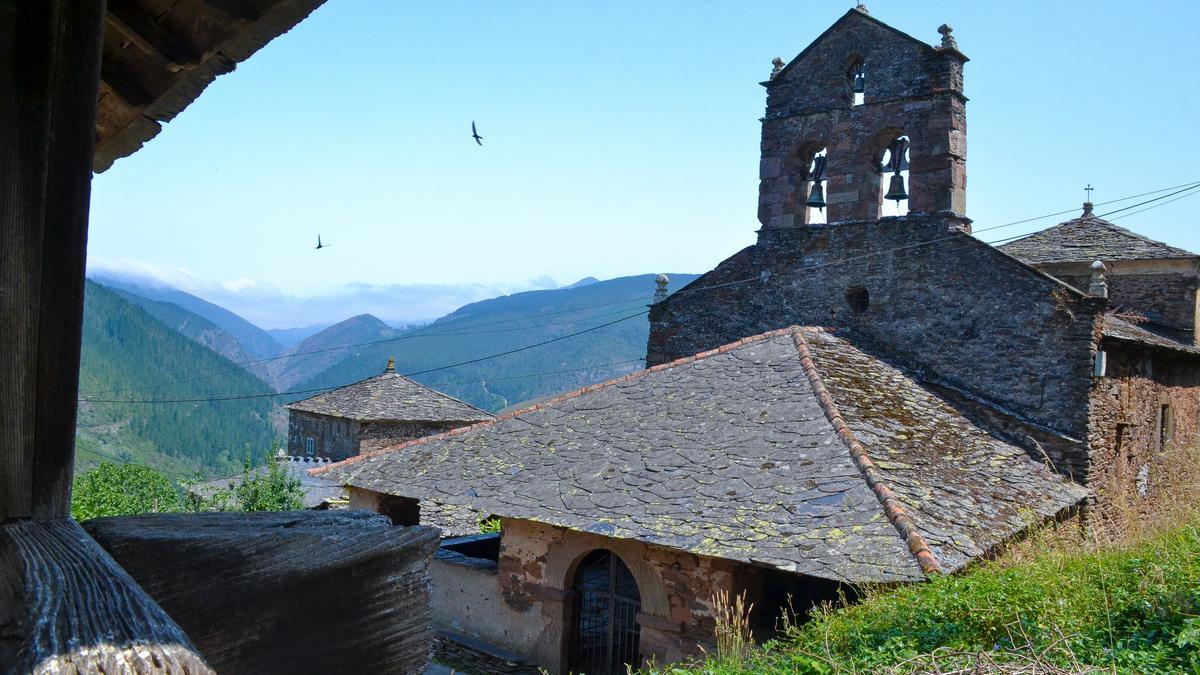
(255, 341)
(290, 336)
(511, 322)
(326, 348)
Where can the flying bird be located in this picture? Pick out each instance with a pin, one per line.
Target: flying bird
(319, 244)
(475, 134)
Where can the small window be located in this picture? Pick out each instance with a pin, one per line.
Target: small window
(1166, 427)
(309, 446)
(858, 298)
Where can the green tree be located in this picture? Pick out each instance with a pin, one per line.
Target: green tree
(125, 489)
(269, 489)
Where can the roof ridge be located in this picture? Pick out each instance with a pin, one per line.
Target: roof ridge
(330, 391)
(439, 392)
(558, 399)
(895, 513)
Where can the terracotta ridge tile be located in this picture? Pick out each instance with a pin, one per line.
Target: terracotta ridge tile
(553, 401)
(895, 513)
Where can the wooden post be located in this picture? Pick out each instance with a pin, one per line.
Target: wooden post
(49, 70)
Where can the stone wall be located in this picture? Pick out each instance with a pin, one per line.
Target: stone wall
(915, 290)
(377, 435)
(338, 438)
(536, 570)
(467, 601)
(1130, 462)
(911, 89)
(333, 437)
(1163, 291)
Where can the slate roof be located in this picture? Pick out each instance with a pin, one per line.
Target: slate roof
(317, 490)
(390, 397)
(791, 449)
(1086, 239)
(1116, 328)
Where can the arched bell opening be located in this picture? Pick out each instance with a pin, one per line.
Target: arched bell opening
(810, 170)
(605, 635)
(856, 76)
(892, 166)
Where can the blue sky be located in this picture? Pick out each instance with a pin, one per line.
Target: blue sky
(620, 138)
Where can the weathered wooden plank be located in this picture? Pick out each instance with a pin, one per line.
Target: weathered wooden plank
(65, 607)
(49, 68)
(295, 592)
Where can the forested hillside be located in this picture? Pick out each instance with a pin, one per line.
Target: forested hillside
(201, 330)
(511, 322)
(128, 353)
(257, 342)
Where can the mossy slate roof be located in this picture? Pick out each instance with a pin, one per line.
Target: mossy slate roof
(1087, 239)
(390, 397)
(792, 449)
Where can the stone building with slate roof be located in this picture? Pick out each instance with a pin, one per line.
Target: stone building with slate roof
(791, 461)
(1099, 375)
(967, 393)
(378, 411)
(1144, 277)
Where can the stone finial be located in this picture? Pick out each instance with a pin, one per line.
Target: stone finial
(1098, 287)
(861, 8)
(1087, 211)
(778, 67)
(660, 292)
(391, 366)
(280, 455)
(948, 41)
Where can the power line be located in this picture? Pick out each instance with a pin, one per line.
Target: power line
(419, 372)
(1149, 208)
(241, 366)
(680, 292)
(1148, 201)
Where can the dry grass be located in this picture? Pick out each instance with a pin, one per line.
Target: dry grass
(733, 637)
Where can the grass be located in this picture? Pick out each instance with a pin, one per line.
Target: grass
(1051, 604)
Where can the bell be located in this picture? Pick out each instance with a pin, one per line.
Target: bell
(860, 79)
(816, 196)
(896, 191)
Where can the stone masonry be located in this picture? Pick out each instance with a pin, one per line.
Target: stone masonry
(912, 89)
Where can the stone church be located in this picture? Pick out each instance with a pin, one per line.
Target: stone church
(867, 394)
(1092, 366)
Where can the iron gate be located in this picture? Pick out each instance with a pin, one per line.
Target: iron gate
(605, 631)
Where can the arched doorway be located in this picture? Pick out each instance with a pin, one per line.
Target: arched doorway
(604, 630)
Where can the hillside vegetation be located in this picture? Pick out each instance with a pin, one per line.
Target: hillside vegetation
(128, 353)
(511, 322)
(257, 342)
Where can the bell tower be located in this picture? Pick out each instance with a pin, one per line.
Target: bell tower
(861, 124)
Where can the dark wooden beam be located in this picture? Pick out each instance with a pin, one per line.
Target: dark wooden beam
(49, 69)
(117, 83)
(65, 607)
(129, 20)
(236, 10)
(302, 591)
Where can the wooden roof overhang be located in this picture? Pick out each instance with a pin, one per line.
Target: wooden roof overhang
(81, 86)
(159, 55)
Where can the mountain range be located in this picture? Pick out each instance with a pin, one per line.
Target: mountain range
(150, 343)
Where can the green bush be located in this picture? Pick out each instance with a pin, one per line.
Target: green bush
(120, 490)
(1131, 610)
(129, 489)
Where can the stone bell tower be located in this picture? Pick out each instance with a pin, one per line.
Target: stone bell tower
(834, 112)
